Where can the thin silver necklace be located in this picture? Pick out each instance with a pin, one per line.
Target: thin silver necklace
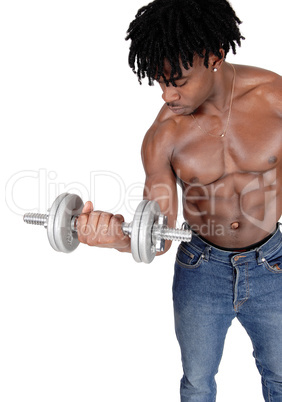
(229, 113)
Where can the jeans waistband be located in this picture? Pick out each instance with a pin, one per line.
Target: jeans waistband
(264, 250)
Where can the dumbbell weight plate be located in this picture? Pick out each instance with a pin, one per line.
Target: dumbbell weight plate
(135, 230)
(147, 249)
(59, 230)
(142, 247)
(51, 219)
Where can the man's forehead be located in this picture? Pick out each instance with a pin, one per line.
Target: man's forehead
(166, 74)
(175, 78)
(167, 68)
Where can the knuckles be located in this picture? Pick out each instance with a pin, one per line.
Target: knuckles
(99, 228)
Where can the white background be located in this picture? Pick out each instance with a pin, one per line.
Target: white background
(92, 325)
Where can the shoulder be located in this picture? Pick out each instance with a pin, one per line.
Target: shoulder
(265, 85)
(256, 76)
(159, 140)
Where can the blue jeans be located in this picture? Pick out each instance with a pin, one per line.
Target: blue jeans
(210, 288)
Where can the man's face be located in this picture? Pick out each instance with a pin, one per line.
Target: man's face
(193, 88)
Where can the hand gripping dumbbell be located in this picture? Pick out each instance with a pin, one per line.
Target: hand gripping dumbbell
(148, 230)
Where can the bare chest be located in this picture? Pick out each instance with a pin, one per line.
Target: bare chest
(250, 146)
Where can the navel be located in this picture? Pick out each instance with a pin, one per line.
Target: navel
(194, 180)
(272, 159)
(234, 225)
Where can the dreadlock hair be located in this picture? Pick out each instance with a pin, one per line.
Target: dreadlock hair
(178, 30)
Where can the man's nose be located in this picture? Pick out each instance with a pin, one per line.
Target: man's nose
(170, 94)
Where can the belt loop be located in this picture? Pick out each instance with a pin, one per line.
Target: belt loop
(259, 256)
(206, 253)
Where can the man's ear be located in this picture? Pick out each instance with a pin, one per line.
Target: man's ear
(215, 62)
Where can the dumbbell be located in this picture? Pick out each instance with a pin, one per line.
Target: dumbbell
(148, 230)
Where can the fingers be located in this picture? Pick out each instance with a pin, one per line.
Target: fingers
(92, 225)
(117, 221)
(83, 221)
(99, 223)
(88, 207)
(102, 229)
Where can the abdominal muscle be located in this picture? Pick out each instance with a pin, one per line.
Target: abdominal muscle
(228, 218)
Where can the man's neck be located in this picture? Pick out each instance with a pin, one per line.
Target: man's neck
(219, 100)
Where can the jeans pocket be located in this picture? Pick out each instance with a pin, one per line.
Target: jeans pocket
(273, 265)
(188, 258)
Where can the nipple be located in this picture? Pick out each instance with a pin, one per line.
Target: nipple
(234, 225)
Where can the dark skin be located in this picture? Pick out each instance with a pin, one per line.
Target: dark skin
(231, 185)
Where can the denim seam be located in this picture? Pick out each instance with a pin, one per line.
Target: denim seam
(264, 382)
(275, 247)
(212, 257)
(247, 279)
(236, 307)
(193, 246)
(187, 252)
(268, 392)
(187, 266)
(272, 250)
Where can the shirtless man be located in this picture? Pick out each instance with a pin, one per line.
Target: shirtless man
(218, 135)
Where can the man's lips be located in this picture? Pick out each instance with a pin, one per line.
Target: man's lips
(173, 105)
(175, 108)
